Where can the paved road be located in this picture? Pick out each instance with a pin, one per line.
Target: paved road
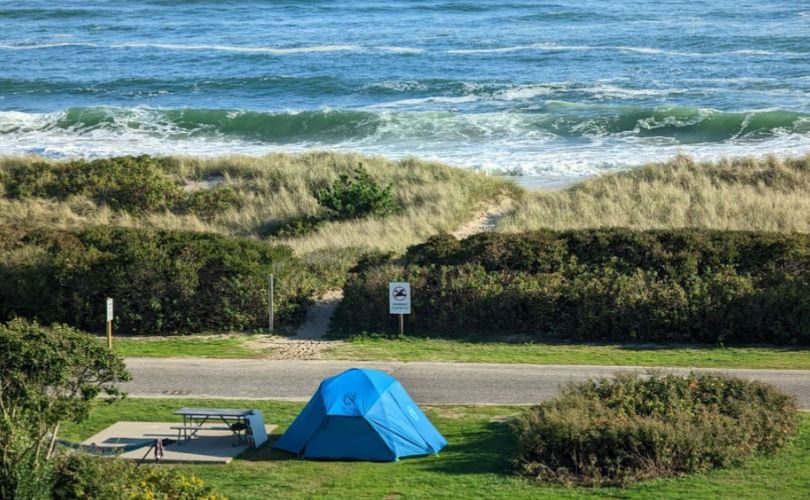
(428, 383)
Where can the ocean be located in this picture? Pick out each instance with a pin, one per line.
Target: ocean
(548, 91)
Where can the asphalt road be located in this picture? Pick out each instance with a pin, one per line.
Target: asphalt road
(428, 383)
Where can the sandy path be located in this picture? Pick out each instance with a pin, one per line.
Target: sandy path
(486, 220)
(308, 343)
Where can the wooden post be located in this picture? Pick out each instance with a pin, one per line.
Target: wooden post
(270, 293)
(402, 324)
(109, 322)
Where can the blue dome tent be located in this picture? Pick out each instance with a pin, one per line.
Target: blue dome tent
(361, 414)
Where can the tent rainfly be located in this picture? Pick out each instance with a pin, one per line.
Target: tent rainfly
(361, 414)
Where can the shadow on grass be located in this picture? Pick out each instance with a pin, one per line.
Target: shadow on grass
(266, 452)
(487, 450)
(484, 450)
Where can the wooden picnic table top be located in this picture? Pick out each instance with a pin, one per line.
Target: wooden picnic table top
(213, 412)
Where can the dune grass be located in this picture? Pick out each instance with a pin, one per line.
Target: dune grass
(765, 194)
(475, 464)
(273, 190)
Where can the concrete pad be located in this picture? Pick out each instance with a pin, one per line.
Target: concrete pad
(210, 446)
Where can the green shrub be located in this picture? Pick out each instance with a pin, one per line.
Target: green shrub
(26, 180)
(162, 282)
(208, 202)
(631, 428)
(356, 195)
(49, 375)
(136, 184)
(610, 284)
(80, 476)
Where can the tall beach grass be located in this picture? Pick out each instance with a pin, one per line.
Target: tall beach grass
(761, 194)
(273, 190)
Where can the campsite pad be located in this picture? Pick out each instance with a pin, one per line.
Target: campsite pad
(209, 447)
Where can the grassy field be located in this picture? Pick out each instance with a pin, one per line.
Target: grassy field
(574, 354)
(476, 463)
(416, 349)
(217, 346)
(750, 194)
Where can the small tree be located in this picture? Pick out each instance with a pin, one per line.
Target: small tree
(47, 375)
(356, 195)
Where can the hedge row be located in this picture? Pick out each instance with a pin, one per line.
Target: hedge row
(617, 431)
(676, 253)
(611, 284)
(162, 282)
(131, 183)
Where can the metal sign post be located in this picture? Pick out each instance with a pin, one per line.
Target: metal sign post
(270, 293)
(399, 301)
(109, 322)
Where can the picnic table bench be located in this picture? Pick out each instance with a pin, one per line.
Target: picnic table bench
(194, 420)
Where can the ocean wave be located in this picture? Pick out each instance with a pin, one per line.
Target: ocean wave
(553, 47)
(538, 47)
(401, 50)
(607, 137)
(684, 125)
(191, 47)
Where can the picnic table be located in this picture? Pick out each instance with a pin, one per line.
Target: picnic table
(194, 420)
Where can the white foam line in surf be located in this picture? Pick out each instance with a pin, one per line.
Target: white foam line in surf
(234, 48)
(546, 47)
(193, 47)
(551, 47)
(47, 45)
(221, 48)
(401, 50)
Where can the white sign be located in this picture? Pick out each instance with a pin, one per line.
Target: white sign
(109, 309)
(258, 433)
(399, 298)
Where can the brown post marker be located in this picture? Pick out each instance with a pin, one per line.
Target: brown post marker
(402, 324)
(109, 322)
(270, 293)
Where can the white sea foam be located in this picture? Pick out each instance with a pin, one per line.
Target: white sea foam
(526, 92)
(237, 48)
(552, 47)
(192, 47)
(542, 47)
(401, 50)
(418, 101)
(498, 142)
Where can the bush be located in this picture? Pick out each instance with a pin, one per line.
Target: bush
(356, 195)
(208, 202)
(162, 282)
(136, 184)
(49, 375)
(79, 477)
(632, 428)
(609, 284)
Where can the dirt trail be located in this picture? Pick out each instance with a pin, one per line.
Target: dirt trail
(486, 220)
(308, 342)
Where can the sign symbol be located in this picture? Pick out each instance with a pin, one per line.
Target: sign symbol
(399, 297)
(400, 293)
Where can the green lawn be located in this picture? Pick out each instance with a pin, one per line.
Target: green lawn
(475, 463)
(418, 349)
(415, 349)
(220, 346)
